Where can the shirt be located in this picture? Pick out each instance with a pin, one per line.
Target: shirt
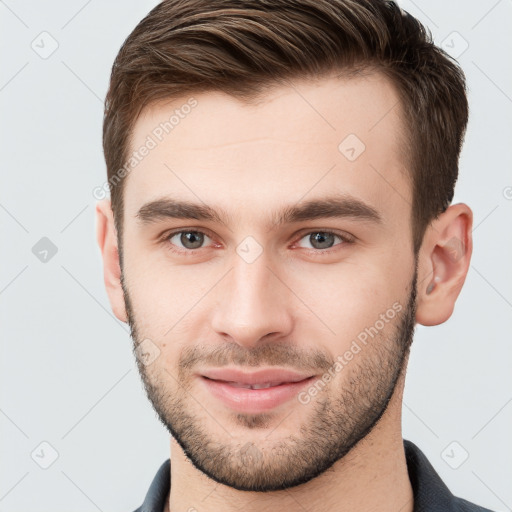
(430, 493)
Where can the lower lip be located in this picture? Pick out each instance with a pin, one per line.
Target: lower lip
(254, 400)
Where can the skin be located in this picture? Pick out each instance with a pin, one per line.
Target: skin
(291, 306)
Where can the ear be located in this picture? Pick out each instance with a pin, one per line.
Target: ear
(443, 264)
(106, 236)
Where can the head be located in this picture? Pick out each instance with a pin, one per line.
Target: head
(281, 177)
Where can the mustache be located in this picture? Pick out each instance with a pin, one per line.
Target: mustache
(270, 354)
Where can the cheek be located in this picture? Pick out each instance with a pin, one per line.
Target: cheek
(348, 297)
(166, 300)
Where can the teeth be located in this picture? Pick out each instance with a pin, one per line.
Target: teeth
(262, 386)
(255, 386)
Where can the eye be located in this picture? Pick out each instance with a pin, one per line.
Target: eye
(321, 240)
(186, 240)
(189, 241)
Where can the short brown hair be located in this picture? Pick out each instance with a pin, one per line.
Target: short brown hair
(244, 47)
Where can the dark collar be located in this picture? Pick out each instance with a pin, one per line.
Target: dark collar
(430, 492)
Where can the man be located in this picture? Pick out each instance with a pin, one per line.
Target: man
(281, 176)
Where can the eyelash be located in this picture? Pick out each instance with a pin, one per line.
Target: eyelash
(345, 237)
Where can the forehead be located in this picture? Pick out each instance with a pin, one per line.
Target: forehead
(309, 139)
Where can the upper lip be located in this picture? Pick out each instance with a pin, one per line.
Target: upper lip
(258, 377)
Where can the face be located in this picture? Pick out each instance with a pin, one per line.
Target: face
(292, 251)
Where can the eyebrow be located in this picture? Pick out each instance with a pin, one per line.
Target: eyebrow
(338, 206)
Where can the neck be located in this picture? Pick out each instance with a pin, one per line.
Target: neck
(373, 476)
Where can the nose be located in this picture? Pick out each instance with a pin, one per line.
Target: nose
(253, 303)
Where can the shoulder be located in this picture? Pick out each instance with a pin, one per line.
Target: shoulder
(158, 490)
(431, 494)
(462, 505)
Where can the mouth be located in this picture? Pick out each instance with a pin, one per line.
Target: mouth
(263, 385)
(254, 392)
(265, 377)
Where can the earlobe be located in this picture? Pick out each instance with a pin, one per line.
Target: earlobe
(443, 264)
(106, 237)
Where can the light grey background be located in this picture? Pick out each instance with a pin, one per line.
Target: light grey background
(67, 373)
